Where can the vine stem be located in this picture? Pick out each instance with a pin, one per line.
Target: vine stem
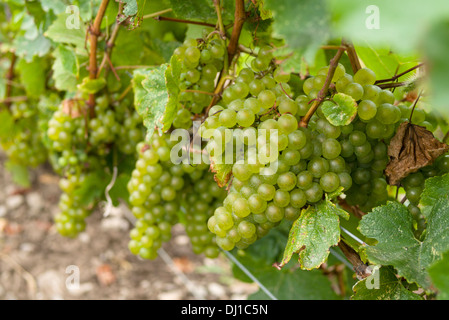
(94, 33)
(361, 269)
(9, 77)
(352, 55)
(323, 92)
(220, 19)
(240, 17)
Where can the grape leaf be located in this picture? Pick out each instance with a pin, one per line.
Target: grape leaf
(304, 25)
(411, 148)
(434, 189)
(385, 63)
(384, 23)
(32, 76)
(159, 105)
(202, 10)
(61, 31)
(341, 110)
(7, 126)
(28, 49)
(392, 226)
(286, 284)
(382, 285)
(313, 233)
(65, 69)
(440, 277)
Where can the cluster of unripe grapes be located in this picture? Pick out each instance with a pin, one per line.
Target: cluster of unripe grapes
(79, 146)
(201, 61)
(23, 145)
(158, 188)
(310, 162)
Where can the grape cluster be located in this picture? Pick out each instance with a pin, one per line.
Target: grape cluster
(157, 189)
(201, 61)
(310, 162)
(70, 221)
(79, 147)
(23, 145)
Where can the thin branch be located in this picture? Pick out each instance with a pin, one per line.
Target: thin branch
(133, 67)
(160, 18)
(323, 92)
(361, 269)
(414, 106)
(217, 92)
(109, 46)
(155, 14)
(393, 85)
(399, 75)
(9, 100)
(94, 33)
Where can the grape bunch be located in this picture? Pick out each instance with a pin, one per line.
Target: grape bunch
(157, 189)
(79, 146)
(70, 221)
(309, 162)
(23, 145)
(201, 61)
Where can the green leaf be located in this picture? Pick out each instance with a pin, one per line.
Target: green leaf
(159, 105)
(65, 69)
(312, 234)
(286, 284)
(28, 49)
(434, 189)
(7, 124)
(56, 6)
(440, 277)
(33, 76)
(385, 23)
(385, 63)
(92, 86)
(197, 9)
(392, 226)
(341, 111)
(382, 285)
(65, 30)
(304, 25)
(295, 285)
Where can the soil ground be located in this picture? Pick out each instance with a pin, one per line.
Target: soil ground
(36, 263)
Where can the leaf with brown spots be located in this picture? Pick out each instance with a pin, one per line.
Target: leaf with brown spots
(413, 147)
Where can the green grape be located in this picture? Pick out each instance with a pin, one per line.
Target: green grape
(365, 76)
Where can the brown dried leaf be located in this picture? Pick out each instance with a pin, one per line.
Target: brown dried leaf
(412, 148)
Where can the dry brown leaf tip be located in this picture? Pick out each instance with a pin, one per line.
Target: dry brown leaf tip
(412, 148)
